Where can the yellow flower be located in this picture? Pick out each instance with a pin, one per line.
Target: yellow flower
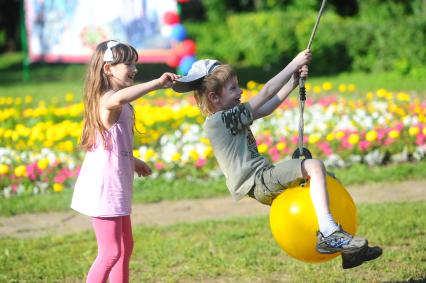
(69, 96)
(193, 154)
(393, 134)
(18, 101)
(327, 86)
(351, 87)
(330, 137)
(402, 96)
(251, 85)
(308, 86)
(424, 131)
(371, 136)
(342, 87)
(150, 153)
(176, 156)
(20, 171)
(205, 141)
(340, 134)
(262, 148)
(412, 131)
(280, 146)
(317, 89)
(353, 139)
(4, 169)
(58, 187)
(43, 163)
(28, 99)
(208, 151)
(136, 153)
(314, 138)
(381, 92)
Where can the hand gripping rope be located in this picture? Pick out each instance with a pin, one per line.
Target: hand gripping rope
(303, 151)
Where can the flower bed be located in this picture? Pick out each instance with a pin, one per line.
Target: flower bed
(39, 140)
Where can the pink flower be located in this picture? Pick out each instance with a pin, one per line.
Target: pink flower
(363, 145)
(159, 165)
(325, 147)
(420, 139)
(388, 141)
(33, 171)
(200, 162)
(295, 139)
(275, 157)
(346, 144)
(60, 178)
(273, 151)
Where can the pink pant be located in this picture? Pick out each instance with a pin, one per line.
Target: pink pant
(115, 245)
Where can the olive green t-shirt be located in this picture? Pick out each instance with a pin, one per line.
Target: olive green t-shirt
(235, 148)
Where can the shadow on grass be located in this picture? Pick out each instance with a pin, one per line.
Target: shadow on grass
(423, 280)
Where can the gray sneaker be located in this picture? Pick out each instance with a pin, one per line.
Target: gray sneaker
(339, 241)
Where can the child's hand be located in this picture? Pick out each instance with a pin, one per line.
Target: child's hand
(166, 80)
(142, 169)
(303, 58)
(301, 73)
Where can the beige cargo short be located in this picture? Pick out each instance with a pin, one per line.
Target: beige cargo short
(271, 181)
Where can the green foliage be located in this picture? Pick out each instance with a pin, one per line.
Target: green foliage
(236, 250)
(329, 46)
(262, 37)
(381, 37)
(215, 9)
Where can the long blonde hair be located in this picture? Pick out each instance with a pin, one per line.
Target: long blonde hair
(213, 82)
(96, 84)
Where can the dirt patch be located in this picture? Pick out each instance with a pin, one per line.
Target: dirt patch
(171, 212)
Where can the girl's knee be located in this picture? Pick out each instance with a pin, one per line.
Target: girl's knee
(110, 257)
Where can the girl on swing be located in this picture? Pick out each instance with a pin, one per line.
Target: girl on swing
(227, 126)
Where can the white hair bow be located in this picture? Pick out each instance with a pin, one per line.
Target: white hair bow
(108, 57)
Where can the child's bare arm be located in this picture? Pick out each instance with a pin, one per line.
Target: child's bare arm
(113, 100)
(274, 85)
(281, 95)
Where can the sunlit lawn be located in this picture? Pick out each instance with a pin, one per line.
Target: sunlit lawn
(238, 250)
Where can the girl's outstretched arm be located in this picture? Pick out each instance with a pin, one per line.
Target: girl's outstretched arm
(274, 85)
(115, 99)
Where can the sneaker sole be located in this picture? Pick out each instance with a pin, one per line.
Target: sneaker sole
(342, 250)
(354, 260)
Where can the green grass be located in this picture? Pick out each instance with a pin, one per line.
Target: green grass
(237, 250)
(155, 190)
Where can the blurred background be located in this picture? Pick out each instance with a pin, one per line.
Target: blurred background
(259, 37)
(365, 93)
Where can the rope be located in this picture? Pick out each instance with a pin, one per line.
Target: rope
(302, 91)
(301, 126)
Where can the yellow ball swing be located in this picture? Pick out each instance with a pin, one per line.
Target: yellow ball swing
(293, 220)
